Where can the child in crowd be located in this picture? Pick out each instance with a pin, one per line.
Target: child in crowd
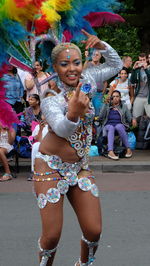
(7, 137)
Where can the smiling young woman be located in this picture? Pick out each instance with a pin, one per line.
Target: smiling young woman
(61, 164)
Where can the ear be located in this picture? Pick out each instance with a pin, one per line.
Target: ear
(54, 67)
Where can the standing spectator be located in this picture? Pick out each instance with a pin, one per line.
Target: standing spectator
(40, 76)
(127, 63)
(122, 84)
(97, 99)
(38, 134)
(148, 60)
(14, 89)
(140, 78)
(7, 137)
(22, 74)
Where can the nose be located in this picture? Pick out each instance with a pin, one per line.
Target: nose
(71, 67)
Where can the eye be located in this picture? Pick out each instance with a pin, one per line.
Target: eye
(77, 62)
(63, 64)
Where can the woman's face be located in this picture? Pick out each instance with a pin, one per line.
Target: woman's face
(123, 75)
(69, 67)
(116, 98)
(32, 101)
(37, 67)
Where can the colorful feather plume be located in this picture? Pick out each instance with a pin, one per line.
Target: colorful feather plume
(63, 17)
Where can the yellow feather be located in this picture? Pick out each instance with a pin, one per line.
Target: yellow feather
(51, 7)
(18, 14)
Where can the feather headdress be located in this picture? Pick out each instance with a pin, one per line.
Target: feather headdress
(60, 17)
(26, 23)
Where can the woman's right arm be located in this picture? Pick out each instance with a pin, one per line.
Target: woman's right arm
(53, 111)
(29, 82)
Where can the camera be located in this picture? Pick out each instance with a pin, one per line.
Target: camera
(140, 64)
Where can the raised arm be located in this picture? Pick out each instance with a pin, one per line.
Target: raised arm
(113, 63)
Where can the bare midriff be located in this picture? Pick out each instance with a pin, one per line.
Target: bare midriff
(55, 145)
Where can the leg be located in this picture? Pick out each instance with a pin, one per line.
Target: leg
(4, 160)
(138, 107)
(147, 108)
(110, 136)
(88, 210)
(120, 128)
(51, 217)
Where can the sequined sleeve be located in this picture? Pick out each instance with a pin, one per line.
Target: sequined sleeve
(113, 64)
(53, 108)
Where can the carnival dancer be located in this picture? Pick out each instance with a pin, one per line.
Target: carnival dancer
(61, 165)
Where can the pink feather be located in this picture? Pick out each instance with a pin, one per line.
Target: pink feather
(99, 19)
(67, 35)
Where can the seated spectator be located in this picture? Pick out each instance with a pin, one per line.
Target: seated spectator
(14, 89)
(7, 137)
(116, 117)
(30, 81)
(33, 112)
(122, 84)
(38, 134)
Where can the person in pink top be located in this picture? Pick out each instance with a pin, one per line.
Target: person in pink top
(39, 75)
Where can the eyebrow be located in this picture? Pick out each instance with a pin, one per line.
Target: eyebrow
(66, 61)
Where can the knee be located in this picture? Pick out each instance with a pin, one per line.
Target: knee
(120, 127)
(93, 234)
(50, 239)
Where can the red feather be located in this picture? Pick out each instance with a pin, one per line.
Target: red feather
(99, 19)
(41, 25)
(24, 3)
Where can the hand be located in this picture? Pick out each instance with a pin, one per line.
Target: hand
(145, 65)
(134, 122)
(139, 64)
(78, 104)
(92, 41)
(42, 124)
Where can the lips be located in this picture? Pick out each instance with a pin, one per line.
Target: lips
(72, 77)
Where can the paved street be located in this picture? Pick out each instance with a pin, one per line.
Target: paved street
(125, 199)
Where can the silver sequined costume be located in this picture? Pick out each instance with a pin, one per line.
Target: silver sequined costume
(78, 134)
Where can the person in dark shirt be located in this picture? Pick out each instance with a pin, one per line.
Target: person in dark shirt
(116, 117)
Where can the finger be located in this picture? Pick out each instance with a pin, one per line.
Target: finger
(91, 42)
(86, 33)
(77, 91)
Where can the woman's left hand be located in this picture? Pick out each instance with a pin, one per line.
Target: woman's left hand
(92, 41)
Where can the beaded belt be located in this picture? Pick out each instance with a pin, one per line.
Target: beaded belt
(68, 178)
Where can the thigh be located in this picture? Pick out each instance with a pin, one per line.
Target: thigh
(87, 208)
(147, 108)
(120, 127)
(138, 107)
(52, 213)
(3, 151)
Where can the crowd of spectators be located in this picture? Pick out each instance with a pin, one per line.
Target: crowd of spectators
(119, 103)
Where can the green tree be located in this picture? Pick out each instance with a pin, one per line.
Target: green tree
(123, 38)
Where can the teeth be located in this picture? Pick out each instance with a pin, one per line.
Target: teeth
(71, 75)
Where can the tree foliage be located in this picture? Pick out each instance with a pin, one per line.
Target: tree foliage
(122, 38)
